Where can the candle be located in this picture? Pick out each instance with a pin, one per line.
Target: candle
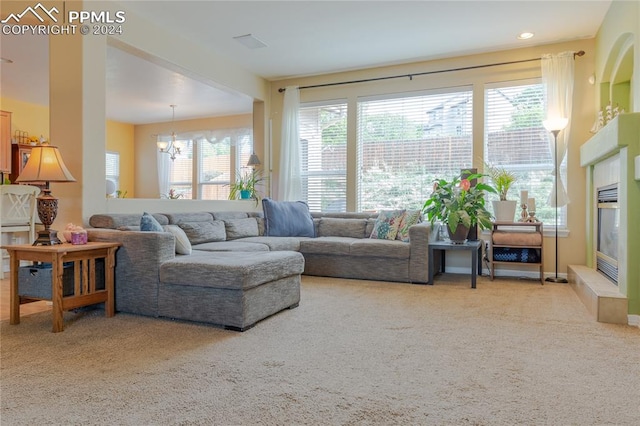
(531, 204)
(523, 196)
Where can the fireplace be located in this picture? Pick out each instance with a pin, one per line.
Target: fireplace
(608, 227)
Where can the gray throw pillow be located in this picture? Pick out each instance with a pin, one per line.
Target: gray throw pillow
(149, 223)
(204, 232)
(287, 218)
(241, 228)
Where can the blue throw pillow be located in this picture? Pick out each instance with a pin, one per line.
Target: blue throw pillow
(287, 219)
(149, 223)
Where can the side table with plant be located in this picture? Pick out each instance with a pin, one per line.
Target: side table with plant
(459, 206)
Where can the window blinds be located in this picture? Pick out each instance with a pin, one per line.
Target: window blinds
(113, 167)
(406, 142)
(214, 168)
(323, 142)
(516, 140)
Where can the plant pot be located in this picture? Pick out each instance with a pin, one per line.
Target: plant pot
(245, 194)
(473, 233)
(459, 236)
(504, 211)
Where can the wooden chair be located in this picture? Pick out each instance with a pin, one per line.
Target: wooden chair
(17, 214)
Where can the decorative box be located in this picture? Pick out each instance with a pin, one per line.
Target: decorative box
(78, 237)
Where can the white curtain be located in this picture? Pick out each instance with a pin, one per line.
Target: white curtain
(557, 76)
(290, 177)
(164, 168)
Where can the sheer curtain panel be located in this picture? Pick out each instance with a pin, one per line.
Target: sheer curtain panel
(558, 76)
(290, 177)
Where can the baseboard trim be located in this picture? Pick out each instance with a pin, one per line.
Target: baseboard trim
(634, 320)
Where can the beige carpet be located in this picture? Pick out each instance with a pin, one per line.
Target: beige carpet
(354, 352)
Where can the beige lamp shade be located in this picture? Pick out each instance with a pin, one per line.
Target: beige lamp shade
(45, 165)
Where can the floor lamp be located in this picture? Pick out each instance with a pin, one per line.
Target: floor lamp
(555, 126)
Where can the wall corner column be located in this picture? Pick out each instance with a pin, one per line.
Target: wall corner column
(77, 96)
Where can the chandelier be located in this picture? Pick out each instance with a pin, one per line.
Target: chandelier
(171, 147)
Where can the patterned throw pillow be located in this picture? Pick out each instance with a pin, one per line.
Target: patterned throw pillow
(149, 223)
(387, 224)
(410, 218)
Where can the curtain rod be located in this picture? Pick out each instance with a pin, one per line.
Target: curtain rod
(410, 76)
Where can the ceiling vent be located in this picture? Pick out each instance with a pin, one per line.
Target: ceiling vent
(250, 41)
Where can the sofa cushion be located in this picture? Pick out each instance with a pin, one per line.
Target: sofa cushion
(287, 218)
(354, 228)
(517, 238)
(116, 220)
(149, 223)
(177, 218)
(387, 224)
(241, 228)
(204, 232)
(371, 222)
(235, 245)
(183, 245)
(229, 215)
(276, 243)
(326, 245)
(380, 248)
(231, 270)
(410, 218)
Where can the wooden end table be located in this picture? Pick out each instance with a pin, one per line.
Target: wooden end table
(85, 293)
(476, 256)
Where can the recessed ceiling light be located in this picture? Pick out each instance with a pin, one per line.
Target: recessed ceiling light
(6, 61)
(525, 36)
(250, 41)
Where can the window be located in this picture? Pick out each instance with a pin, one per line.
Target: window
(215, 159)
(113, 167)
(405, 143)
(323, 134)
(516, 140)
(214, 169)
(207, 161)
(181, 170)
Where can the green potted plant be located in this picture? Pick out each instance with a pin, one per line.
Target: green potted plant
(459, 206)
(502, 179)
(244, 187)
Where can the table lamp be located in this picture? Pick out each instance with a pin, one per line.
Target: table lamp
(45, 165)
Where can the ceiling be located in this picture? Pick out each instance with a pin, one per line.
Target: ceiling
(302, 38)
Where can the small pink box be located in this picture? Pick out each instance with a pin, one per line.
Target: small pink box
(78, 237)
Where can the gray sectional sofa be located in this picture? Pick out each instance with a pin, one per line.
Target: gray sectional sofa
(235, 275)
